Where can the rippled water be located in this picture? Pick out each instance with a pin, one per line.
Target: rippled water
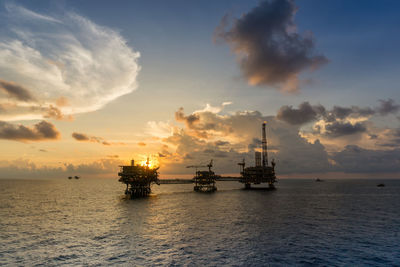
(88, 222)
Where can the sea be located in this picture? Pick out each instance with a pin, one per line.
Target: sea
(89, 222)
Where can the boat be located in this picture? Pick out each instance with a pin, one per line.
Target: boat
(76, 177)
(69, 177)
(380, 185)
(318, 180)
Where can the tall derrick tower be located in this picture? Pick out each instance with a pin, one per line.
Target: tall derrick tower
(264, 146)
(260, 173)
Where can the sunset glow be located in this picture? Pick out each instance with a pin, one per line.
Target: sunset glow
(199, 133)
(83, 91)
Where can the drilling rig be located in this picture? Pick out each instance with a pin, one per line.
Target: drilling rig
(261, 172)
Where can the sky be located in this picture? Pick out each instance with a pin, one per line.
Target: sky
(86, 86)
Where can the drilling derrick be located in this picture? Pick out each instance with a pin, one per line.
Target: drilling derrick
(264, 146)
(260, 173)
(138, 179)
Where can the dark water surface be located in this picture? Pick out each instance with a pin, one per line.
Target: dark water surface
(88, 222)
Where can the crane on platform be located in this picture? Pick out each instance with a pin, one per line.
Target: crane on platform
(242, 164)
(201, 166)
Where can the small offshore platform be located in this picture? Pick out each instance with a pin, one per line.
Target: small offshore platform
(261, 172)
(139, 178)
(204, 181)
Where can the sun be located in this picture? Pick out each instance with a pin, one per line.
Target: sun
(151, 163)
(145, 163)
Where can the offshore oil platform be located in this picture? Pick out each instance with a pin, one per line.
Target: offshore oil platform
(139, 178)
(261, 172)
(204, 181)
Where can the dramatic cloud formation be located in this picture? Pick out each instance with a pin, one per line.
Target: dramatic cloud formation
(337, 122)
(304, 114)
(64, 61)
(94, 139)
(356, 159)
(268, 48)
(228, 139)
(16, 91)
(39, 132)
(337, 129)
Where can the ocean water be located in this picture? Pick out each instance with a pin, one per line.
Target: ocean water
(89, 222)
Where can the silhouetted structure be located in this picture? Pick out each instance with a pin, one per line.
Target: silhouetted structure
(138, 179)
(204, 181)
(261, 173)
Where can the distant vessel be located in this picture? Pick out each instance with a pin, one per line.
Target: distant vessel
(76, 177)
(318, 180)
(69, 177)
(380, 185)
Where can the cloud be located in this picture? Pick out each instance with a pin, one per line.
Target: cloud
(234, 137)
(16, 91)
(269, 49)
(221, 143)
(256, 143)
(304, 114)
(385, 107)
(388, 107)
(53, 112)
(344, 112)
(25, 168)
(337, 129)
(66, 60)
(94, 139)
(389, 138)
(38, 132)
(338, 121)
(356, 159)
(188, 120)
(80, 137)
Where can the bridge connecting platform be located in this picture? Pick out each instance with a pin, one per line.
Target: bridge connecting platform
(139, 178)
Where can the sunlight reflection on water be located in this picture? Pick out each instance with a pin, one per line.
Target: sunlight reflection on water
(89, 222)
